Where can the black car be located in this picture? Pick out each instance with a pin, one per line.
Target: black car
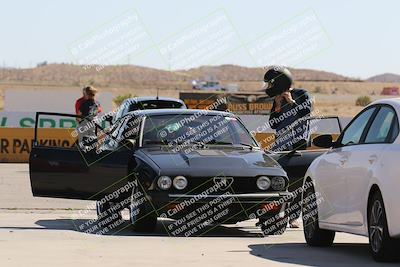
(195, 166)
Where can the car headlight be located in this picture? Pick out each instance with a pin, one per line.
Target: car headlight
(180, 182)
(263, 182)
(278, 183)
(164, 182)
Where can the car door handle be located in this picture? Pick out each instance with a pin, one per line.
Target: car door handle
(372, 159)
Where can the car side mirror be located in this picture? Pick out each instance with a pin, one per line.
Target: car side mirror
(324, 141)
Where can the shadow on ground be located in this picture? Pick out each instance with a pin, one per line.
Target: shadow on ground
(340, 254)
(126, 230)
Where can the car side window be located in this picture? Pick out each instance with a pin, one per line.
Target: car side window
(354, 131)
(241, 134)
(380, 127)
(131, 128)
(127, 128)
(122, 110)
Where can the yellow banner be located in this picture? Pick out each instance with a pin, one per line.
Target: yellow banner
(16, 143)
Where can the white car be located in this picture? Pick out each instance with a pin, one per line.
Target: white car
(354, 187)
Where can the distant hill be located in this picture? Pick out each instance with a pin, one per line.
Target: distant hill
(385, 78)
(239, 73)
(129, 75)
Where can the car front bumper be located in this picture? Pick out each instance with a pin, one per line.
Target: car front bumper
(241, 206)
(243, 198)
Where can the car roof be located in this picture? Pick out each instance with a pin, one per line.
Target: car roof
(152, 112)
(152, 98)
(395, 102)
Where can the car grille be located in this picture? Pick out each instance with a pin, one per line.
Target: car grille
(234, 185)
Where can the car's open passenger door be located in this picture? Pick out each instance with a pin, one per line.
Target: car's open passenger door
(69, 171)
(297, 161)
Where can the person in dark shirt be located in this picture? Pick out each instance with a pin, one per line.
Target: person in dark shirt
(290, 110)
(289, 117)
(89, 107)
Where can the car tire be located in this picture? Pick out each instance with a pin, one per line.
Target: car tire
(142, 215)
(383, 248)
(314, 235)
(104, 213)
(273, 224)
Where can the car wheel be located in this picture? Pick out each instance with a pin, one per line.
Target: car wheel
(106, 214)
(273, 224)
(382, 246)
(314, 235)
(142, 215)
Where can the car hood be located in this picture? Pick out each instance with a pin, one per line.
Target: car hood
(214, 161)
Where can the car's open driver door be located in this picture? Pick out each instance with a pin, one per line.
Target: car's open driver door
(68, 172)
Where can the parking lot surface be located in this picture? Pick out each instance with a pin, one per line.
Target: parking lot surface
(42, 232)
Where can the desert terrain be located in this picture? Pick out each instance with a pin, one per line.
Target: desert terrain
(334, 94)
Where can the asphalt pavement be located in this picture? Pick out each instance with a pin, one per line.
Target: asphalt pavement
(43, 232)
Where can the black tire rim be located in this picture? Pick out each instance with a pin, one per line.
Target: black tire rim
(311, 216)
(376, 226)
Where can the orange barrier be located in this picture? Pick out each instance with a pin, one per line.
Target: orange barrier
(267, 139)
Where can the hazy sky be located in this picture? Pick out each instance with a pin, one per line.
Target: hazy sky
(363, 35)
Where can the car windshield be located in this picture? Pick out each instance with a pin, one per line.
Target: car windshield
(199, 129)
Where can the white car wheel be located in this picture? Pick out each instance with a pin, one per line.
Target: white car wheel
(382, 246)
(313, 234)
(376, 226)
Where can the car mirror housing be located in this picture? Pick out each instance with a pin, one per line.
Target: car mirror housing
(324, 141)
